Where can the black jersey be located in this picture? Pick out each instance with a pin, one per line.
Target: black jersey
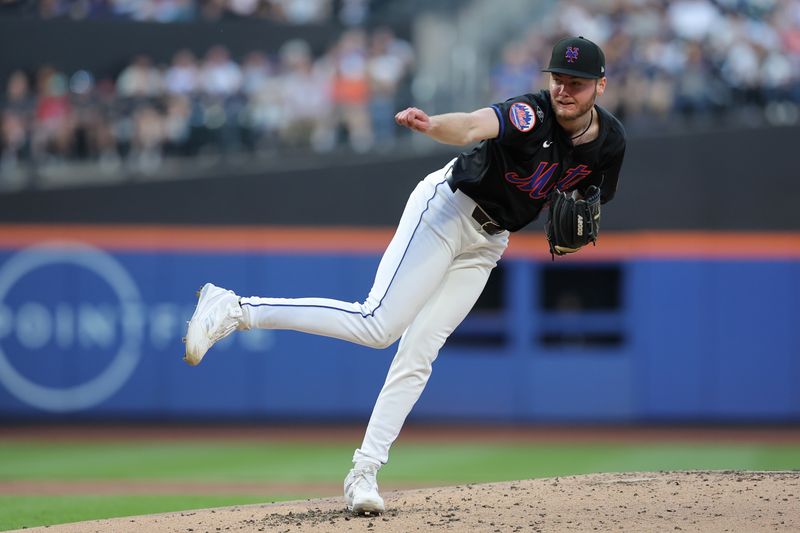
(510, 176)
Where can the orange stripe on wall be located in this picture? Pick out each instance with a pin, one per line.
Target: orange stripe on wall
(675, 245)
(203, 239)
(215, 239)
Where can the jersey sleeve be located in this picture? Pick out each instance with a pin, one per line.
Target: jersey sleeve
(520, 119)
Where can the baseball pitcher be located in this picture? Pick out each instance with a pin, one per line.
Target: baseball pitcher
(555, 148)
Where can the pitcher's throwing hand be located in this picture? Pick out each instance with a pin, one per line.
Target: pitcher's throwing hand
(413, 118)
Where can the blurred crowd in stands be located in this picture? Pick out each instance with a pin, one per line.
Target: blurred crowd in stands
(695, 61)
(682, 62)
(211, 104)
(349, 12)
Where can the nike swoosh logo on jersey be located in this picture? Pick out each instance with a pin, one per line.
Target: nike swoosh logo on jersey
(547, 144)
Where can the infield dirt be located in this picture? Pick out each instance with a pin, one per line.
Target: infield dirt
(698, 501)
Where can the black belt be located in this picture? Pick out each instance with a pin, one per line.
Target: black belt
(481, 217)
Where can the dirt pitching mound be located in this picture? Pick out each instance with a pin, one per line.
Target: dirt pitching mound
(665, 501)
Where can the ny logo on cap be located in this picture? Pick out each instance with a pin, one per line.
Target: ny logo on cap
(572, 54)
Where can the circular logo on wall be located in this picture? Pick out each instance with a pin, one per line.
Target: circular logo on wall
(70, 326)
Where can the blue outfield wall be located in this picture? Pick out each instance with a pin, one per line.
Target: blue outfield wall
(86, 333)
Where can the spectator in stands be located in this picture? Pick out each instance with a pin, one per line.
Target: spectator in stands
(213, 9)
(15, 126)
(301, 11)
(140, 80)
(350, 89)
(389, 64)
(219, 75)
(517, 72)
(221, 85)
(167, 11)
(244, 8)
(183, 75)
(49, 9)
(264, 108)
(695, 88)
(149, 136)
(95, 139)
(154, 10)
(305, 112)
(54, 123)
(256, 72)
(353, 12)
(177, 128)
(692, 19)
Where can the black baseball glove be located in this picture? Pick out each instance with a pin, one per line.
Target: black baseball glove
(572, 224)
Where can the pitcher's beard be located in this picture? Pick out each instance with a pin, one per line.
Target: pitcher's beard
(574, 115)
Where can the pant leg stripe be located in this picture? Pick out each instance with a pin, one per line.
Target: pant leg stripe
(399, 264)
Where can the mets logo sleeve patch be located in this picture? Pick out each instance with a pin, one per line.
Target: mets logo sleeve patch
(522, 117)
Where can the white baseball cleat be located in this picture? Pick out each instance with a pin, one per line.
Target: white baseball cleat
(361, 490)
(218, 313)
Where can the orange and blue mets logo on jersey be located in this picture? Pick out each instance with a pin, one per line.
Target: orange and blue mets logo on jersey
(522, 117)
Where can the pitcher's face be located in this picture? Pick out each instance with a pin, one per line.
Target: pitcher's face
(573, 97)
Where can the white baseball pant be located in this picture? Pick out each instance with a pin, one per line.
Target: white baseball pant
(429, 278)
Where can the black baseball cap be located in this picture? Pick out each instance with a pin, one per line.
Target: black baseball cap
(579, 57)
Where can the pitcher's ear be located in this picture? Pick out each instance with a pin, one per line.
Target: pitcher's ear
(601, 86)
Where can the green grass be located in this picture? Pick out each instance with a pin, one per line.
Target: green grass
(439, 463)
(445, 462)
(174, 461)
(473, 463)
(17, 512)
